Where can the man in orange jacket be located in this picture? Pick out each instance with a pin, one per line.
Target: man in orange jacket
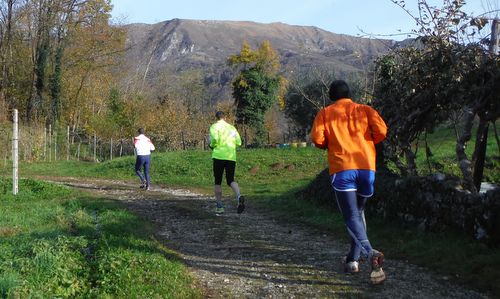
(349, 131)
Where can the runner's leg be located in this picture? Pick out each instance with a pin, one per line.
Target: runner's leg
(138, 166)
(361, 206)
(147, 163)
(348, 205)
(365, 189)
(230, 170)
(355, 252)
(218, 169)
(218, 196)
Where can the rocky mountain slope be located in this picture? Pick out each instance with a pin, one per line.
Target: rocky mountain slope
(180, 45)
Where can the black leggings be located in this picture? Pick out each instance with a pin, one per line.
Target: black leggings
(219, 166)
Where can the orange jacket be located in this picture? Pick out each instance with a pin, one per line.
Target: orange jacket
(349, 131)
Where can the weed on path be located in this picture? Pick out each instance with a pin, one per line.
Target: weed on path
(255, 255)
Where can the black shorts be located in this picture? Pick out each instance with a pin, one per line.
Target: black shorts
(219, 166)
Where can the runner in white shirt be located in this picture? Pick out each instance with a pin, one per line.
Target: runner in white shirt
(143, 147)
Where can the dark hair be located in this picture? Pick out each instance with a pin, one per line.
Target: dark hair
(339, 90)
(219, 114)
(141, 131)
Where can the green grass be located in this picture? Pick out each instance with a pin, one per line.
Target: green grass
(442, 144)
(283, 167)
(57, 243)
(448, 253)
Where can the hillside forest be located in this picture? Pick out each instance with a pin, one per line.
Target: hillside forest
(62, 66)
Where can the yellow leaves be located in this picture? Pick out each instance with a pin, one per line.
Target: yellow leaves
(242, 83)
(283, 87)
(264, 58)
(281, 102)
(246, 56)
(267, 58)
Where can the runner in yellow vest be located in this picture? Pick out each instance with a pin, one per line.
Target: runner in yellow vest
(224, 138)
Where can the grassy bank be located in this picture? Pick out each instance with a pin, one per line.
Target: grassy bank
(259, 171)
(56, 243)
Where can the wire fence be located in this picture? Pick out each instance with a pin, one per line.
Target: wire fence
(47, 143)
(44, 143)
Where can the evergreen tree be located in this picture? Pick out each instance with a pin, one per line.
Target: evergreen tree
(257, 87)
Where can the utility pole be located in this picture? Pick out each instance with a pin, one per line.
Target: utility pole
(15, 154)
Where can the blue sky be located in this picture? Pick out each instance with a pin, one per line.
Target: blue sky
(353, 17)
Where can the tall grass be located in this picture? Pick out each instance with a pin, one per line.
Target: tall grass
(56, 243)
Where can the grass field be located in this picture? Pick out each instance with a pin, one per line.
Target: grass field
(270, 178)
(443, 159)
(287, 169)
(57, 243)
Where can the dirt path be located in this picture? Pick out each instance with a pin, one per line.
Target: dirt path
(253, 255)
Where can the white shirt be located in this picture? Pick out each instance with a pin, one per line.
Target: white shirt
(143, 145)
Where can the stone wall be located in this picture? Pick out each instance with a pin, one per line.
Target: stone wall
(431, 203)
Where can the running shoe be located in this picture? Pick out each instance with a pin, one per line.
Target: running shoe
(219, 210)
(143, 185)
(377, 276)
(147, 188)
(351, 267)
(241, 205)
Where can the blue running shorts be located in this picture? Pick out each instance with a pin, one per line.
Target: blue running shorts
(359, 180)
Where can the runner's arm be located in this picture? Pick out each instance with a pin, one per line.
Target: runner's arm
(377, 125)
(318, 131)
(213, 137)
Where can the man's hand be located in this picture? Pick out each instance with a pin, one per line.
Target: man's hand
(321, 146)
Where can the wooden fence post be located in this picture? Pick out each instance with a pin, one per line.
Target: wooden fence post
(44, 143)
(15, 154)
(55, 146)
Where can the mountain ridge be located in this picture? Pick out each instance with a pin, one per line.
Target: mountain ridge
(178, 45)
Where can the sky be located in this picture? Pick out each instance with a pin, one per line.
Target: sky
(378, 18)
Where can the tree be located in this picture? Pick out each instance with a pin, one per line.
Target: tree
(186, 86)
(7, 9)
(257, 87)
(412, 100)
(419, 87)
(308, 93)
(48, 42)
(92, 52)
(305, 97)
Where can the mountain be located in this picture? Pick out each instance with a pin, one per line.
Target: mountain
(179, 45)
